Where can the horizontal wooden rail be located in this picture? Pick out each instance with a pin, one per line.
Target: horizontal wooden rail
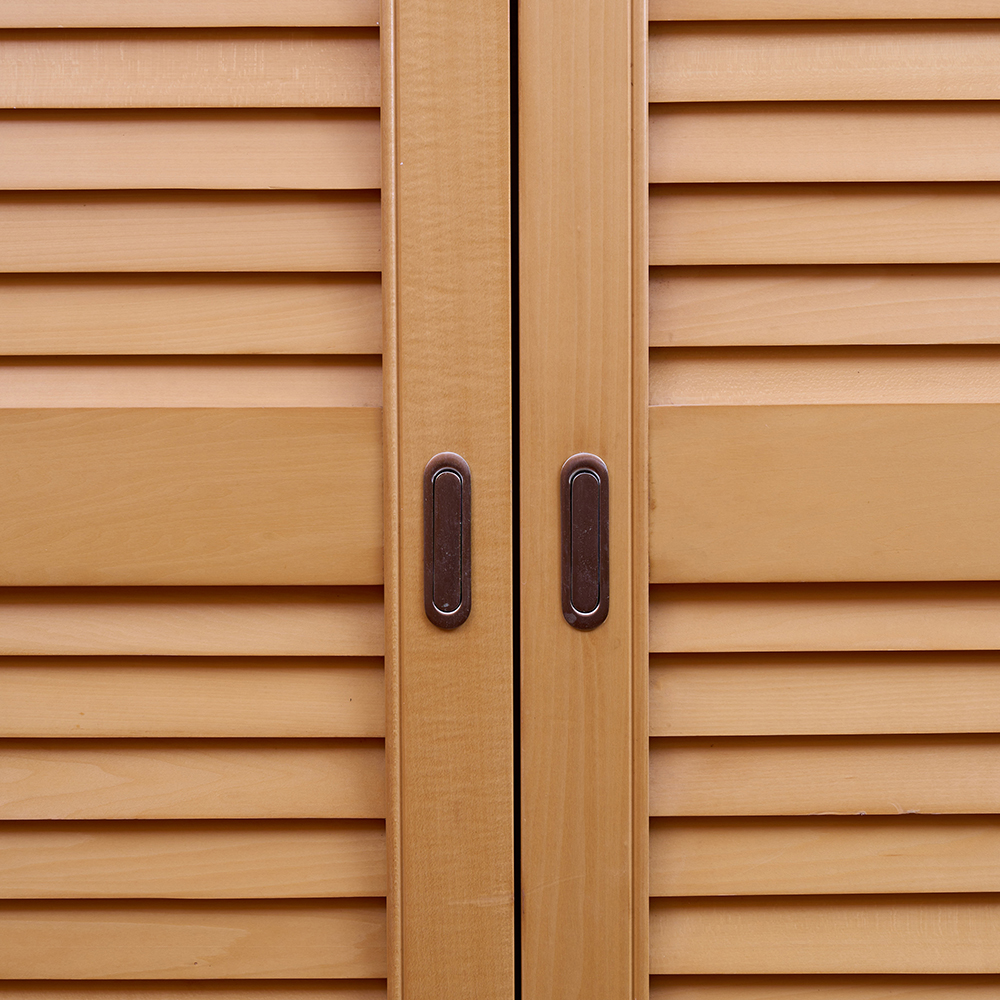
(193, 779)
(826, 854)
(200, 859)
(188, 989)
(754, 617)
(197, 231)
(800, 776)
(171, 939)
(802, 141)
(824, 223)
(825, 304)
(159, 314)
(779, 694)
(824, 61)
(767, 10)
(176, 696)
(92, 150)
(206, 68)
(883, 987)
(191, 621)
(826, 934)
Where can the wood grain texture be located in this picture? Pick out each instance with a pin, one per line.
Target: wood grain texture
(245, 859)
(767, 10)
(825, 934)
(206, 68)
(169, 939)
(802, 141)
(91, 150)
(191, 621)
(822, 493)
(191, 496)
(849, 775)
(186, 13)
(824, 224)
(217, 696)
(756, 376)
(220, 989)
(745, 857)
(451, 327)
(220, 383)
(824, 61)
(181, 231)
(192, 779)
(160, 314)
(757, 618)
(582, 356)
(828, 304)
(883, 987)
(778, 694)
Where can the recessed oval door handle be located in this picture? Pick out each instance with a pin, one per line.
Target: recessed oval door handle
(447, 540)
(585, 541)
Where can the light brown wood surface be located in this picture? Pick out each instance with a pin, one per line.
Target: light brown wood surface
(753, 618)
(827, 304)
(867, 854)
(775, 694)
(185, 13)
(94, 150)
(800, 141)
(191, 496)
(824, 61)
(748, 10)
(235, 67)
(245, 989)
(219, 696)
(191, 621)
(119, 314)
(170, 939)
(756, 376)
(761, 776)
(582, 365)
(823, 493)
(203, 859)
(189, 231)
(839, 987)
(824, 223)
(221, 383)
(830, 934)
(192, 779)
(448, 334)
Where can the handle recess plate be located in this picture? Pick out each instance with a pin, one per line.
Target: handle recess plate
(447, 540)
(585, 576)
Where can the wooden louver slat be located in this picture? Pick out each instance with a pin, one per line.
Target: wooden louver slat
(765, 10)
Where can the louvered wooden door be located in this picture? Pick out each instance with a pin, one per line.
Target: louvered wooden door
(212, 644)
(823, 613)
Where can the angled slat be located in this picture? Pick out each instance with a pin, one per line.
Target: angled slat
(824, 61)
(826, 934)
(753, 618)
(187, 989)
(206, 68)
(191, 621)
(196, 231)
(827, 854)
(176, 696)
(824, 223)
(171, 939)
(796, 776)
(91, 150)
(884, 987)
(766, 10)
(193, 779)
(823, 493)
(803, 141)
(186, 13)
(828, 304)
(778, 694)
(160, 314)
(192, 859)
(191, 496)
